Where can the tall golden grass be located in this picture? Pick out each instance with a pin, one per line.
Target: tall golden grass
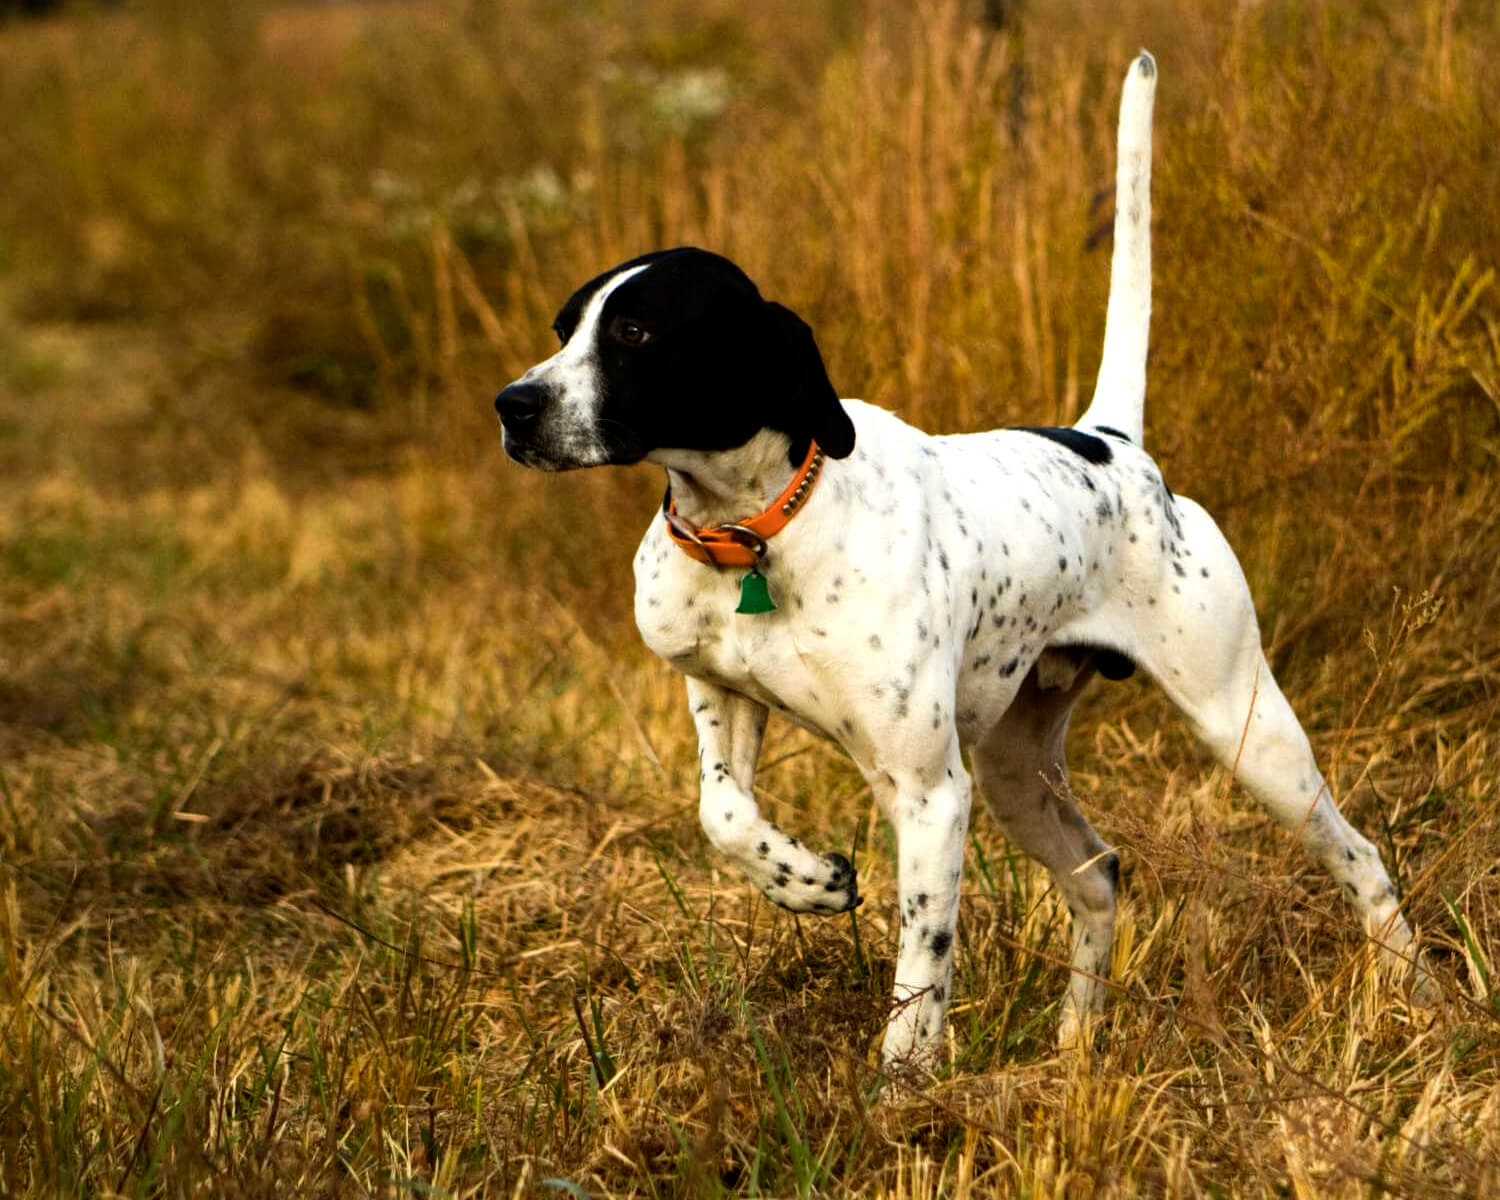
(349, 841)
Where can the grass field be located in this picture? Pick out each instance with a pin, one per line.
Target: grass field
(349, 841)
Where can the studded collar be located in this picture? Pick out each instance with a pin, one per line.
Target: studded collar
(742, 543)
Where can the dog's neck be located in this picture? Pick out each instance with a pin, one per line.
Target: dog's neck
(718, 486)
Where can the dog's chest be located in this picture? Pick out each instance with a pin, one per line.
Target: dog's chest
(686, 615)
(685, 612)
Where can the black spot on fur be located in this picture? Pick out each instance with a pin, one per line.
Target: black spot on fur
(941, 941)
(1085, 445)
(1113, 432)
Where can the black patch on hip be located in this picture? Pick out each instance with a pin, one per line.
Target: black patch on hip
(1113, 665)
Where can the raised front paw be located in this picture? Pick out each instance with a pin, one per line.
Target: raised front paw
(830, 885)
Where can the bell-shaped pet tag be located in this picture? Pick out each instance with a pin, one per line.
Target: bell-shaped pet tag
(755, 594)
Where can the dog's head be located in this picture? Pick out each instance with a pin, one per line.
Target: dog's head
(674, 350)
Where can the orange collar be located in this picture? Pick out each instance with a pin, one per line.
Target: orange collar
(741, 543)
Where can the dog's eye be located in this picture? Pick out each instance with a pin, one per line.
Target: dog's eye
(631, 333)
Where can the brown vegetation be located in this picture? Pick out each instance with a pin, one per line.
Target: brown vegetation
(348, 841)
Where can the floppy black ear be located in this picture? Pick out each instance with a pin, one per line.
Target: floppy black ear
(804, 394)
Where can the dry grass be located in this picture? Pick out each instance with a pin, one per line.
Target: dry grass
(349, 837)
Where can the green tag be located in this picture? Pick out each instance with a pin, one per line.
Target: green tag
(755, 594)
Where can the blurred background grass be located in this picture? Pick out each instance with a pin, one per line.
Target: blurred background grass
(349, 838)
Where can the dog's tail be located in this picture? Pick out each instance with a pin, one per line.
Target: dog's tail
(1119, 402)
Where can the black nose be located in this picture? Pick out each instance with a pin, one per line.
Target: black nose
(520, 402)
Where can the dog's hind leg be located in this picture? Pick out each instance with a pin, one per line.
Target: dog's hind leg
(1202, 643)
(1020, 768)
(730, 728)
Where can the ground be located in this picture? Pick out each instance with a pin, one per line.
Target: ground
(349, 834)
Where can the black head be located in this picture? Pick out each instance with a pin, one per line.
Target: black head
(674, 350)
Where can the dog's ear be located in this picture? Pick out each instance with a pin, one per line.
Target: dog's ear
(796, 372)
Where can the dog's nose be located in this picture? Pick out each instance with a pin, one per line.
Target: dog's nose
(520, 402)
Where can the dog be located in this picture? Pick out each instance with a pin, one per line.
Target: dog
(911, 596)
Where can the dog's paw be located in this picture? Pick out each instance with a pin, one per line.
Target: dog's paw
(843, 882)
(1422, 985)
(913, 1040)
(1075, 1031)
(831, 886)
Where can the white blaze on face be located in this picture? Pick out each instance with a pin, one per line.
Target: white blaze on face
(571, 376)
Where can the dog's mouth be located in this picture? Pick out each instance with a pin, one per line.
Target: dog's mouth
(524, 450)
(544, 451)
(539, 443)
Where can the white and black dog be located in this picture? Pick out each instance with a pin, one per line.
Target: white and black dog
(912, 597)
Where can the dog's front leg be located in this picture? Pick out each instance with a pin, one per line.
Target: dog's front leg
(730, 727)
(930, 810)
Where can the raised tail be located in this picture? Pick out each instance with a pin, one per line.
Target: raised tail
(1119, 402)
